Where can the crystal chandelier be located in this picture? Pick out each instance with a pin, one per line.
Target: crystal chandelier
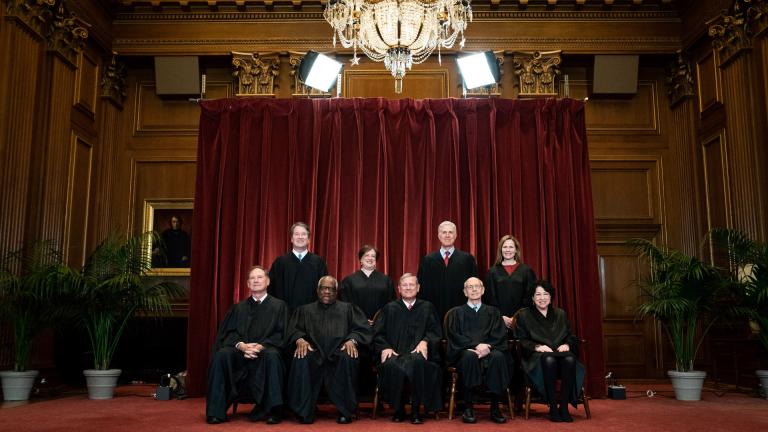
(400, 33)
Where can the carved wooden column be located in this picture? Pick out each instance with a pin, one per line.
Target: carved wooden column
(537, 73)
(66, 37)
(256, 73)
(113, 93)
(745, 113)
(682, 167)
(22, 50)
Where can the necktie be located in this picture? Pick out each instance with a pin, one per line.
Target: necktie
(447, 256)
(258, 302)
(410, 306)
(476, 308)
(300, 256)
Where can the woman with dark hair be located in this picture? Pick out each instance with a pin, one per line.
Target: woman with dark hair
(550, 351)
(509, 282)
(367, 288)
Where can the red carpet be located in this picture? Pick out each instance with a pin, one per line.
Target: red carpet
(134, 410)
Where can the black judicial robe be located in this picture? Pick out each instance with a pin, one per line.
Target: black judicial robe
(401, 329)
(231, 374)
(326, 328)
(509, 292)
(369, 293)
(442, 285)
(295, 281)
(465, 329)
(533, 328)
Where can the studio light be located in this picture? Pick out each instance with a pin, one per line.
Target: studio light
(319, 71)
(479, 70)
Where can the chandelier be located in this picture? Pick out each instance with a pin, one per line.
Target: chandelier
(400, 33)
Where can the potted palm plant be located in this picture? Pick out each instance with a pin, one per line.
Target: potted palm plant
(748, 262)
(107, 292)
(28, 296)
(680, 292)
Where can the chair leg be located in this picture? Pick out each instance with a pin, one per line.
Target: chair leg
(454, 377)
(234, 409)
(586, 403)
(527, 401)
(375, 403)
(510, 404)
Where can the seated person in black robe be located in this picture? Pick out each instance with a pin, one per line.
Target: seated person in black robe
(407, 334)
(549, 351)
(326, 335)
(477, 347)
(294, 275)
(367, 288)
(247, 354)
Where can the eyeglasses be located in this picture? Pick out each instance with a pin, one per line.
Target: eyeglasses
(470, 287)
(327, 288)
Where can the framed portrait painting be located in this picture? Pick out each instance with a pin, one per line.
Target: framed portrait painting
(172, 220)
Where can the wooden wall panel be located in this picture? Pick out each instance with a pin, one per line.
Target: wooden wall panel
(708, 82)
(626, 191)
(625, 115)
(630, 344)
(715, 179)
(80, 175)
(418, 84)
(161, 178)
(156, 116)
(87, 83)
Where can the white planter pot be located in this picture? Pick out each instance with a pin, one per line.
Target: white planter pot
(101, 383)
(17, 385)
(687, 385)
(763, 376)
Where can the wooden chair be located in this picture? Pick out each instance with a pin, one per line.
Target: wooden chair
(454, 374)
(528, 387)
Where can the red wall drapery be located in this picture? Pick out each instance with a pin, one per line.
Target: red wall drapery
(386, 172)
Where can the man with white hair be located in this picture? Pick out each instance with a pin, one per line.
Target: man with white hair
(442, 273)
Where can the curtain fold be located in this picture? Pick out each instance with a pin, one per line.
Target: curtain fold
(387, 172)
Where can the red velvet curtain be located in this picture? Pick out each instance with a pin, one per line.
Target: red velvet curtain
(387, 172)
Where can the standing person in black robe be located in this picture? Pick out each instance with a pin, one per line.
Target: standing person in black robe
(294, 275)
(367, 288)
(407, 334)
(477, 346)
(509, 283)
(550, 352)
(247, 354)
(442, 273)
(326, 335)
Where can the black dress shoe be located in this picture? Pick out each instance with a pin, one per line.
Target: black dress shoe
(469, 416)
(214, 420)
(257, 414)
(343, 419)
(565, 416)
(416, 419)
(554, 416)
(306, 420)
(274, 419)
(497, 416)
(399, 416)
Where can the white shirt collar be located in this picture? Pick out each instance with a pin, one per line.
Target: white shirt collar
(367, 272)
(300, 255)
(474, 306)
(407, 304)
(449, 250)
(260, 300)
